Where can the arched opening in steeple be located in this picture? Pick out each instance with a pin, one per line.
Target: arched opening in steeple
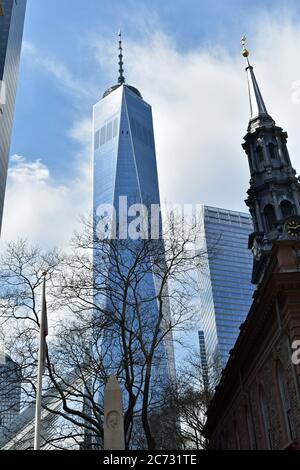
(260, 154)
(272, 150)
(287, 208)
(270, 217)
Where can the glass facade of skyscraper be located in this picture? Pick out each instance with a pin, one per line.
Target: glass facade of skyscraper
(10, 392)
(124, 153)
(125, 167)
(226, 289)
(203, 355)
(12, 14)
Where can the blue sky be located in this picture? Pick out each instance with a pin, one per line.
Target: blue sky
(184, 55)
(61, 29)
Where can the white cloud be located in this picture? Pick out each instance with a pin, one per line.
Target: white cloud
(82, 131)
(31, 171)
(39, 209)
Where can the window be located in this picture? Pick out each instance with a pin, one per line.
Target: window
(145, 136)
(115, 128)
(286, 154)
(139, 131)
(270, 217)
(285, 402)
(237, 436)
(265, 417)
(286, 208)
(109, 131)
(133, 127)
(97, 139)
(272, 150)
(102, 135)
(250, 430)
(260, 154)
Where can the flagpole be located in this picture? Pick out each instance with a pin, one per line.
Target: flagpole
(38, 405)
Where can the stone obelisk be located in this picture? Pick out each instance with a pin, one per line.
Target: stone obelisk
(114, 438)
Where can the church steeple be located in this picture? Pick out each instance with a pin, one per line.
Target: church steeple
(274, 193)
(257, 106)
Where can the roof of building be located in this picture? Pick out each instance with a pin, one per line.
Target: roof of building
(115, 87)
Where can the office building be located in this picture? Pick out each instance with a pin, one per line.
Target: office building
(12, 15)
(203, 357)
(125, 169)
(10, 391)
(226, 289)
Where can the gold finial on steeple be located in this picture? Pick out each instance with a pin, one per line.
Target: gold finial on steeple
(245, 51)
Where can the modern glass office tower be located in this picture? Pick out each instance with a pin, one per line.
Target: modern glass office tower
(226, 281)
(125, 170)
(203, 355)
(10, 391)
(12, 14)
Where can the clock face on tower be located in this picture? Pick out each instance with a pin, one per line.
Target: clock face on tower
(293, 228)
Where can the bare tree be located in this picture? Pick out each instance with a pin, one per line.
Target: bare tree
(101, 304)
(191, 398)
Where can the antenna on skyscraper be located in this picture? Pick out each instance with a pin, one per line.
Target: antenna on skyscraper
(121, 78)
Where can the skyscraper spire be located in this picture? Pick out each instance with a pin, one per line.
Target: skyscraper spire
(257, 106)
(121, 78)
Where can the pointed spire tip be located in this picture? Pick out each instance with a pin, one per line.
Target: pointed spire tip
(257, 105)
